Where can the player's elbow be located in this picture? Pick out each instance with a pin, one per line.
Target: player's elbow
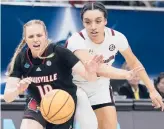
(7, 100)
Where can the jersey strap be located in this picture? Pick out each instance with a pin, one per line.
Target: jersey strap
(112, 31)
(81, 34)
(66, 44)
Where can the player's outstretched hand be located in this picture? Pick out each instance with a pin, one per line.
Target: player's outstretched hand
(23, 84)
(156, 99)
(93, 65)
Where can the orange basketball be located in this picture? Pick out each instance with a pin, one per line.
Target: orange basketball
(57, 106)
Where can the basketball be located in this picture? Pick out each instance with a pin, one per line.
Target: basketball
(57, 106)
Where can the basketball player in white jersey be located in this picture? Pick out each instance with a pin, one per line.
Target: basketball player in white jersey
(99, 39)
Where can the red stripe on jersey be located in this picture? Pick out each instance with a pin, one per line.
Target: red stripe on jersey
(45, 55)
(66, 44)
(81, 34)
(28, 57)
(109, 59)
(112, 31)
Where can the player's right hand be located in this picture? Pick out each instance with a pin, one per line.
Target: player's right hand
(93, 65)
(23, 84)
(132, 73)
(156, 99)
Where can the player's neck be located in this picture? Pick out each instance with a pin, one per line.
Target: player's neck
(36, 53)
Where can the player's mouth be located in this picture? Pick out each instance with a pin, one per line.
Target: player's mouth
(36, 45)
(94, 34)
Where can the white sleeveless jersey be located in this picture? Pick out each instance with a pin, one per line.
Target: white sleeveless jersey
(114, 41)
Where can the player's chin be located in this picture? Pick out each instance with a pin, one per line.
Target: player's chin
(36, 49)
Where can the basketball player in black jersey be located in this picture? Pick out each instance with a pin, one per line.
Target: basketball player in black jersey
(40, 68)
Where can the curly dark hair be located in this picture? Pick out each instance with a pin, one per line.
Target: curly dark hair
(158, 79)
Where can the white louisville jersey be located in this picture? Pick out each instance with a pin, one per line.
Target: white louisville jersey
(114, 41)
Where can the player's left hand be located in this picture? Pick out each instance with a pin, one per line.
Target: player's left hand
(156, 99)
(93, 65)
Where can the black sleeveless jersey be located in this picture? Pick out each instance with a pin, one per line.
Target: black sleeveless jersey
(47, 74)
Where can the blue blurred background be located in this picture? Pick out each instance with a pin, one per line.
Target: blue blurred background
(143, 29)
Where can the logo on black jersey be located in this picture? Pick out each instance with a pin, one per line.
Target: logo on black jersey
(38, 69)
(32, 105)
(26, 65)
(48, 63)
(112, 47)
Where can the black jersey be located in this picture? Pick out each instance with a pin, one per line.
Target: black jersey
(47, 74)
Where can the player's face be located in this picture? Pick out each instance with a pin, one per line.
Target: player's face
(94, 22)
(35, 37)
(161, 85)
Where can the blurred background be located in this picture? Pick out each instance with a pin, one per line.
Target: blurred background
(142, 22)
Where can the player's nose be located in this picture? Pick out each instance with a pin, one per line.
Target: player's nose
(93, 26)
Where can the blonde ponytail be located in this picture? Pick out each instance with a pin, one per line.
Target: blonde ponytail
(12, 62)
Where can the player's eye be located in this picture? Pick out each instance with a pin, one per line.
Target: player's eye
(39, 35)
(31, 36)
(87, 22)
(98, 22)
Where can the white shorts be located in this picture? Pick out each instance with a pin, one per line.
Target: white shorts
(99, 96)
(103, 97)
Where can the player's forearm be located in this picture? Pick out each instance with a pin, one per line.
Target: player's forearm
(142, 74)
(111, 72)
(11, 94)
(145, 78)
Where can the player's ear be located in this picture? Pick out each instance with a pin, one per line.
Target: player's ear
(25, 40)
(106, 22)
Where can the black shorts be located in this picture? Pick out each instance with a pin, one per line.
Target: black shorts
(33, 113)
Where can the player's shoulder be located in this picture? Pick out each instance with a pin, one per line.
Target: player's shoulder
(56, 48)
(21, 57)
(113, 32)
(59, 50)
(75, 41)
(22, 54)
(75, 37)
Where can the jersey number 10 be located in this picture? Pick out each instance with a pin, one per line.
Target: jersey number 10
(44, 89)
